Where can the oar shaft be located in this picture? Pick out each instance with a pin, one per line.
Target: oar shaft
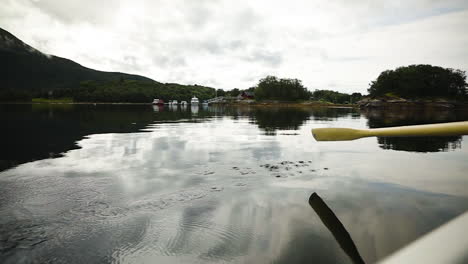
(445, 129)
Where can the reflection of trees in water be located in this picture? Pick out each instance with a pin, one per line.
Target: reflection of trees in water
(271, 120)
(415, 116)
(332, 113)
(32, 132)
(421, 144)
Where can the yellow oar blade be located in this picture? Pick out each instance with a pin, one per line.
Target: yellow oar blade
(337, 134)
(445, 129)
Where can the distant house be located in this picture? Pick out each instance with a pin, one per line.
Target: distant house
(246, 95)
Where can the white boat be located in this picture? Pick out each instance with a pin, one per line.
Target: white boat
(174, 102)
(194, 101)
(183, 103)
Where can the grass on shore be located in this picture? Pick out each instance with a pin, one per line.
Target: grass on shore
(65, 100)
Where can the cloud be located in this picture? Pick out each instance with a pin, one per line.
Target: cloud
(233, 44)
(269, 58)
(77, 11)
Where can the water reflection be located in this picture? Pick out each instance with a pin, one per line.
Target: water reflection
(39, 131)
(194, 109)
(333, 113)
(197, 189)
(402, 117)
(272, 119)
(158, 108)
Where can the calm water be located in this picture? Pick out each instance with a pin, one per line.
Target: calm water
(142, 184)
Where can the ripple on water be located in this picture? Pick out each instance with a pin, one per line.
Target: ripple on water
(160, 202)
(189, 230)
(22, 234)
(98, 209)
(196, 233)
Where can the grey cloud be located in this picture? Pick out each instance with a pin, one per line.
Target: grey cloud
(216, 47)
(250, 78)
(128, 63)
(236, 44)
(198, 13)
(75, 11)
(211, 82)
(132, 62)
(326, 57)
(270, 58)
(212, 46)
(8, 12)
(164, 61)
(384, 12)
(41, 43)
(247, 19)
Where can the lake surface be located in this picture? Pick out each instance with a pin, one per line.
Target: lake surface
(144, 184)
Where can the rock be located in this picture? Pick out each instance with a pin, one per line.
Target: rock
(399, 100)
(375, 103)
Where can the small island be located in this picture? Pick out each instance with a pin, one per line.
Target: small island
(418, 85)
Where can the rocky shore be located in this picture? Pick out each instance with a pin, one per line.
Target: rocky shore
(401, 103)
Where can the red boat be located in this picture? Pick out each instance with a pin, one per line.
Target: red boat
(158, 102)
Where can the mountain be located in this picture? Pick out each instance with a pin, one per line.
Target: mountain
(24, 68)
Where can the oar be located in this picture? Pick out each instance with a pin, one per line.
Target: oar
(337, 229)
(444, 129)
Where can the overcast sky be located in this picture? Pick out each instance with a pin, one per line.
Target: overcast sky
(340, 45)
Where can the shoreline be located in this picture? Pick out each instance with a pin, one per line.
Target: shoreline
(418, 103)
(368, 104)
(263, 104)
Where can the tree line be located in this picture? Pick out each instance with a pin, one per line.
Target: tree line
(130, 91)
(137, 91)
(274, 88)
(335, 97)
(412, 81)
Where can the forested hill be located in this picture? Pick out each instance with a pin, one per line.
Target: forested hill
(23, 68)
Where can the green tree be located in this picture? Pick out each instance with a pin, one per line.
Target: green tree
(220, 92)
(335, 97)
(273, 88)
(420, 81)
(234, 92)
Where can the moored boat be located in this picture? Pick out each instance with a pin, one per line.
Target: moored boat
(158, 102)
(194, 101)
